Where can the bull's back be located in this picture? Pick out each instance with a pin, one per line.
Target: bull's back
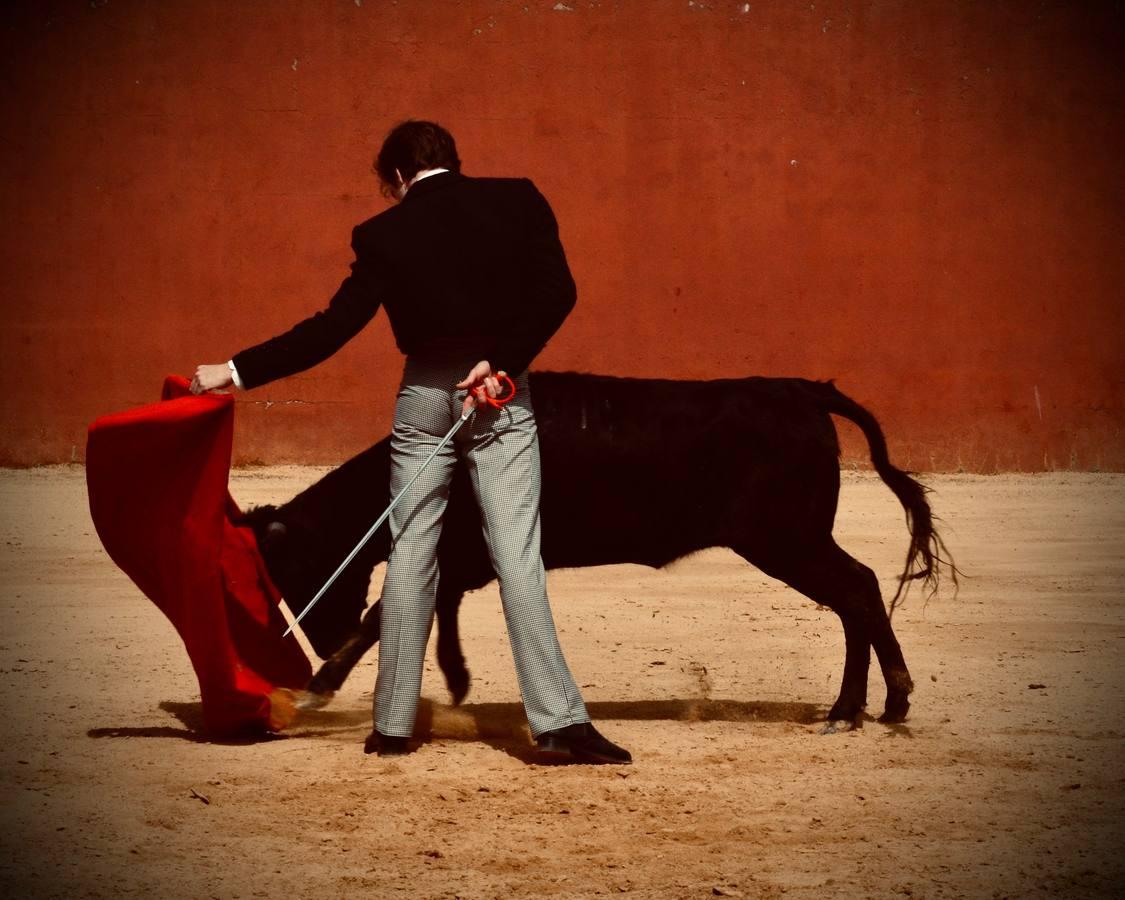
(647, 470)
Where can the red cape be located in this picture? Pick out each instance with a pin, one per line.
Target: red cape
(157, 481)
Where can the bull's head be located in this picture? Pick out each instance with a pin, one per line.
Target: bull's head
(299, 557)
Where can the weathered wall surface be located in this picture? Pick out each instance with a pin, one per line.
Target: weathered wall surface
(922, 200)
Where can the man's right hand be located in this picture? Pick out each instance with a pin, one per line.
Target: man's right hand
(479, 382)
(211, 378)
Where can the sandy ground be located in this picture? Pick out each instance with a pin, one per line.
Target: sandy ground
(1007, 780)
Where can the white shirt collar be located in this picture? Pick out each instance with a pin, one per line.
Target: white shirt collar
(425, 173)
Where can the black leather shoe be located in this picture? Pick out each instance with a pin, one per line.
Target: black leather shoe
(386, 744)
(579, 744)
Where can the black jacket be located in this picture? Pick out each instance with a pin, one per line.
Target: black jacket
(467, 268)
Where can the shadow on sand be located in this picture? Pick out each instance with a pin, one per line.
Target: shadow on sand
(500, 725)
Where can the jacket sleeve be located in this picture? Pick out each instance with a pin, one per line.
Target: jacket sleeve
(323, 333)
(549, 291)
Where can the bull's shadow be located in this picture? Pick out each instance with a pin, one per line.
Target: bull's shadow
(499, 725)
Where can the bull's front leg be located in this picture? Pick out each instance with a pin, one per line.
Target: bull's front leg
(331, 675)
(450, 658)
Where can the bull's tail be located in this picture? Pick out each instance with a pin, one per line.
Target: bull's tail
(927, 554)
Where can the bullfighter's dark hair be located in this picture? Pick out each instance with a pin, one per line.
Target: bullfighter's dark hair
(412, 146)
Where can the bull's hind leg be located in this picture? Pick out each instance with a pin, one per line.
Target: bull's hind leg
(869, 610)
(827, 575)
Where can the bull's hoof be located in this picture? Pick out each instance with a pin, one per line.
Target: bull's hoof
(850, 711)
(896, 710)
(837, 726)
(307, 700)
(458, 684)
(899, 687)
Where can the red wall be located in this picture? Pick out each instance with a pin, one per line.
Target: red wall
(922, 200)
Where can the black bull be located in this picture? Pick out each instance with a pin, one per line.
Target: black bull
(634, 471)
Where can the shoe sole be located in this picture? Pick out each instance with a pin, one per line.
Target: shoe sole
(557, 754)
(554, 757)
(372, 747)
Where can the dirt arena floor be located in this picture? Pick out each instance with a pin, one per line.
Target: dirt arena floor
(1006, 781)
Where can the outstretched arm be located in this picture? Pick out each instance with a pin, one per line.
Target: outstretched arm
(306, 343)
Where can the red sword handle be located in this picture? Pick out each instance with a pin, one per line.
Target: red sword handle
(497, 402)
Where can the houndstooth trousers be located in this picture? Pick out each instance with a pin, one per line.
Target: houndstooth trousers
(501, 450)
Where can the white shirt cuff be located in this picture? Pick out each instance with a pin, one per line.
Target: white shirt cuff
(234, 374)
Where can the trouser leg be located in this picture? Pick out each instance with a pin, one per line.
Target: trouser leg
(502, 452)
(422, 418)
